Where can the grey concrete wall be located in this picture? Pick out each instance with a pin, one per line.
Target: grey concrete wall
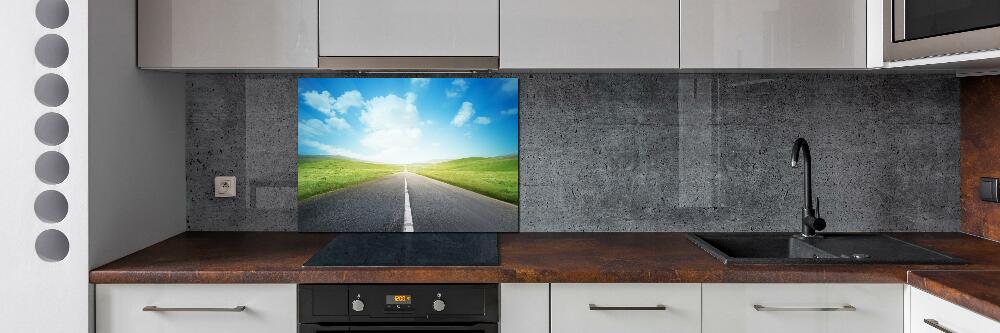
(640, 152)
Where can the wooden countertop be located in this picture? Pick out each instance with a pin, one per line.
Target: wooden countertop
(978, 291)
(274, 257)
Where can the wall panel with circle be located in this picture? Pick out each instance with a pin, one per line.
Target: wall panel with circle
(44, 173)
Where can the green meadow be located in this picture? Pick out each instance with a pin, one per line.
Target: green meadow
(322, 174)
(494, 177)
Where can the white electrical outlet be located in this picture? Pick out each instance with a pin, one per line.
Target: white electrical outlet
(225, 187)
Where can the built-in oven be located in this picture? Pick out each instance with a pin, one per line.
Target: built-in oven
(386, 308)
(928, 28)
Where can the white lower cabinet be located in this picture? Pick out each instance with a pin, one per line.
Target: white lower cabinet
(625, 307)
(196, 308)
(930, 314)
(524, 307)
(569, 308)
(816, 308)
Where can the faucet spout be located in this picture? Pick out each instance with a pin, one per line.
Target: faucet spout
(810, 222)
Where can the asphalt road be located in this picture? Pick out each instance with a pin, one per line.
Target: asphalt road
(378, 206)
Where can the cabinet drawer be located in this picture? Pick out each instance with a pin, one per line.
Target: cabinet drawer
(621, 307)
(948, 316)
(269, 308)
(813, 308)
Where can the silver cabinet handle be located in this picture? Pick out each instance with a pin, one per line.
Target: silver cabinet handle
(240, 308)
(848, 307)
(935, 324)
(658, 307)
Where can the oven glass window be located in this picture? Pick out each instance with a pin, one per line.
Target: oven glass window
(929, 18)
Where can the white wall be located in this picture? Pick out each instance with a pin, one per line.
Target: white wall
(126, 134)
(38, 295)
(137, 188)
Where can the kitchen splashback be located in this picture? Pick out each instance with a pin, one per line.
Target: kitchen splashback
(639, 152)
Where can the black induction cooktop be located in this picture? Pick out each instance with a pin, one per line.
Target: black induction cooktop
(408, 249)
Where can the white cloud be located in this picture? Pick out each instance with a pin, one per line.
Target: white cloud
(326, 103)
(420, 82)
(458, 88)
(390, 139)
(463, 115)
(348, 100)
(509, 112)
(312, 127)
(482, 120)
(509, 85)
(338, 123)
(316, 127)
(392, 122)
(331, 150)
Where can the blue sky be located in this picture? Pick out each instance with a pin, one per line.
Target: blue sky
(407, 120)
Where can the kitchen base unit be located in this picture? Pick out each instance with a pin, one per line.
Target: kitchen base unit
(802, 307)
(930, 314)
(195, 308)
(626, 307)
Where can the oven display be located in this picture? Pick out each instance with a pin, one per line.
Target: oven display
(398, 299)
(398, 303)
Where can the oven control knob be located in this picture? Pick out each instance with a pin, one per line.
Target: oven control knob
(438, 305)
(358, 305)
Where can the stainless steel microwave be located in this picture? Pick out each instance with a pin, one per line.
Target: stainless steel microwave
(929, 28)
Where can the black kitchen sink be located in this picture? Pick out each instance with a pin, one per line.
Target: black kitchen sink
(836, 248)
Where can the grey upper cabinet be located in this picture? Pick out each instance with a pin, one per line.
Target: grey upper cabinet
(774, 34)
(181, 34)
(589, 34)
(409, 28)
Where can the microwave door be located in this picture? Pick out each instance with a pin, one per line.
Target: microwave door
(916, 19)
(916, 29)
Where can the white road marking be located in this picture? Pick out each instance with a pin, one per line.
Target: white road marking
(407, 215)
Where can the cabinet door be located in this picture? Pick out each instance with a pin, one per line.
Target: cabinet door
(524, 308)
(227, 33)
(816, 308)
(927, 310)
(269, 308)
(773, 34)
(586, 34)
(408, 28)
(626, 307)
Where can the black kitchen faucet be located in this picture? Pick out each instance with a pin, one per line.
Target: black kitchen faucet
(810, 221)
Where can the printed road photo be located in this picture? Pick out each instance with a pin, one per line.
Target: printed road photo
(408, 155)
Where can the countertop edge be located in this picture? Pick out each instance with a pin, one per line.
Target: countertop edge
(929, 281)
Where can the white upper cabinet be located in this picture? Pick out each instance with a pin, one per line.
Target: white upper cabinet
(409, 28)
(589, 34)
(776, 34)
(227, 33)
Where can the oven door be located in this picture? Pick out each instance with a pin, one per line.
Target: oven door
(927, 28)
(473, 328)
